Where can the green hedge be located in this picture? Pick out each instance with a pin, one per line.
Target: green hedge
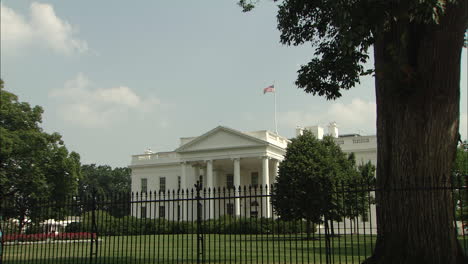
(105, 224)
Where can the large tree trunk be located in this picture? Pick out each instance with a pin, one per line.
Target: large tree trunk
(418, 94)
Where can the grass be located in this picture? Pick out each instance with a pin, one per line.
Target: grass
(183, 249)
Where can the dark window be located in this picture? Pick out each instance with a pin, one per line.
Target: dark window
(179, 182)
(365, 217)
(254, 209)
(162, 184)
(143, 212)
(200, 210)
(230, 209)
(230, 181)
(144, 185)
(254, 179)
(162, 211)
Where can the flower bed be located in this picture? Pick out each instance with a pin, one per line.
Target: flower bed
(42, 237)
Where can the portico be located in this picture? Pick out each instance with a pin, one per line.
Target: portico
(216, 174)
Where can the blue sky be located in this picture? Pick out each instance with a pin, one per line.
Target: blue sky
(116, 78)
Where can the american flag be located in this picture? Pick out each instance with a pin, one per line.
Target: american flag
(269, 89)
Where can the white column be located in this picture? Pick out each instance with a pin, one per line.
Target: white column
(183, 187)
(209, 187)
(274, 176)
(183, 176)
(237, 186)
(275, 171)
(266, 184)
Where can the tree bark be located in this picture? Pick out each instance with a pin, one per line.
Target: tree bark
(417, 94)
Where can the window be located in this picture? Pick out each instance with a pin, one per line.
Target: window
(230, 181)
(254, 179)
(143, 212)
(200, 180)
(365, 217)
(362, 140)
(230, 209)
(179, 182)
(200, 210)
(162, 211)
(144, 185)
(254, 209)
(339, 142)
(162, 184)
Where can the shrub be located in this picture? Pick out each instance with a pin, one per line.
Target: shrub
(42, 237)
(73, 227)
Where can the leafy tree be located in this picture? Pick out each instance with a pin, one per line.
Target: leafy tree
(357, 196)
(460, 173)
(307, 180)
(460, 166)
(417, 48)
(106, 183)
(34, 166)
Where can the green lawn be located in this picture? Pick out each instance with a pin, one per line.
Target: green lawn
(182, 249)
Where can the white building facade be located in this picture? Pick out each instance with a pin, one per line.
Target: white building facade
(224, 157)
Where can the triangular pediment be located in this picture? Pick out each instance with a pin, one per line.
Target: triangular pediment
(219, 138)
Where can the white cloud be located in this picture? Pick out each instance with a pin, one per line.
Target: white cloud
(43, 28)
(14, 28)
(84, 104)
(358, 116)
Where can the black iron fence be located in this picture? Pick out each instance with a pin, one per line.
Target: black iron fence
(220, 225)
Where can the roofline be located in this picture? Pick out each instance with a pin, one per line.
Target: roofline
(199, 138)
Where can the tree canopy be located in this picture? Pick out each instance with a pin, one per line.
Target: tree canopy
(308, 179)
(460, 173)
(34, 165)
(106, 182)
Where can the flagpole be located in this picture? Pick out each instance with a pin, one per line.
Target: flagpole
(276, 126)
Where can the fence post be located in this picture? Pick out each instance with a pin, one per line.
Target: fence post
(93, 228)
(200, 244)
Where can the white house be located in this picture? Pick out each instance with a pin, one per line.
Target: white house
(225, 157)
(222, 157)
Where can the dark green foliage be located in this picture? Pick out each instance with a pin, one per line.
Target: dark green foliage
(105, 224)
(35, 229)
(9, 227)
(106, 183)
(34, 165)
(356, 191)
(306, 187)
(73, 227)
(460, 173)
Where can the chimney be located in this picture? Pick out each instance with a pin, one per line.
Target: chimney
(148, 151)
(333, 129)
(316, 130)
(299, 131)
